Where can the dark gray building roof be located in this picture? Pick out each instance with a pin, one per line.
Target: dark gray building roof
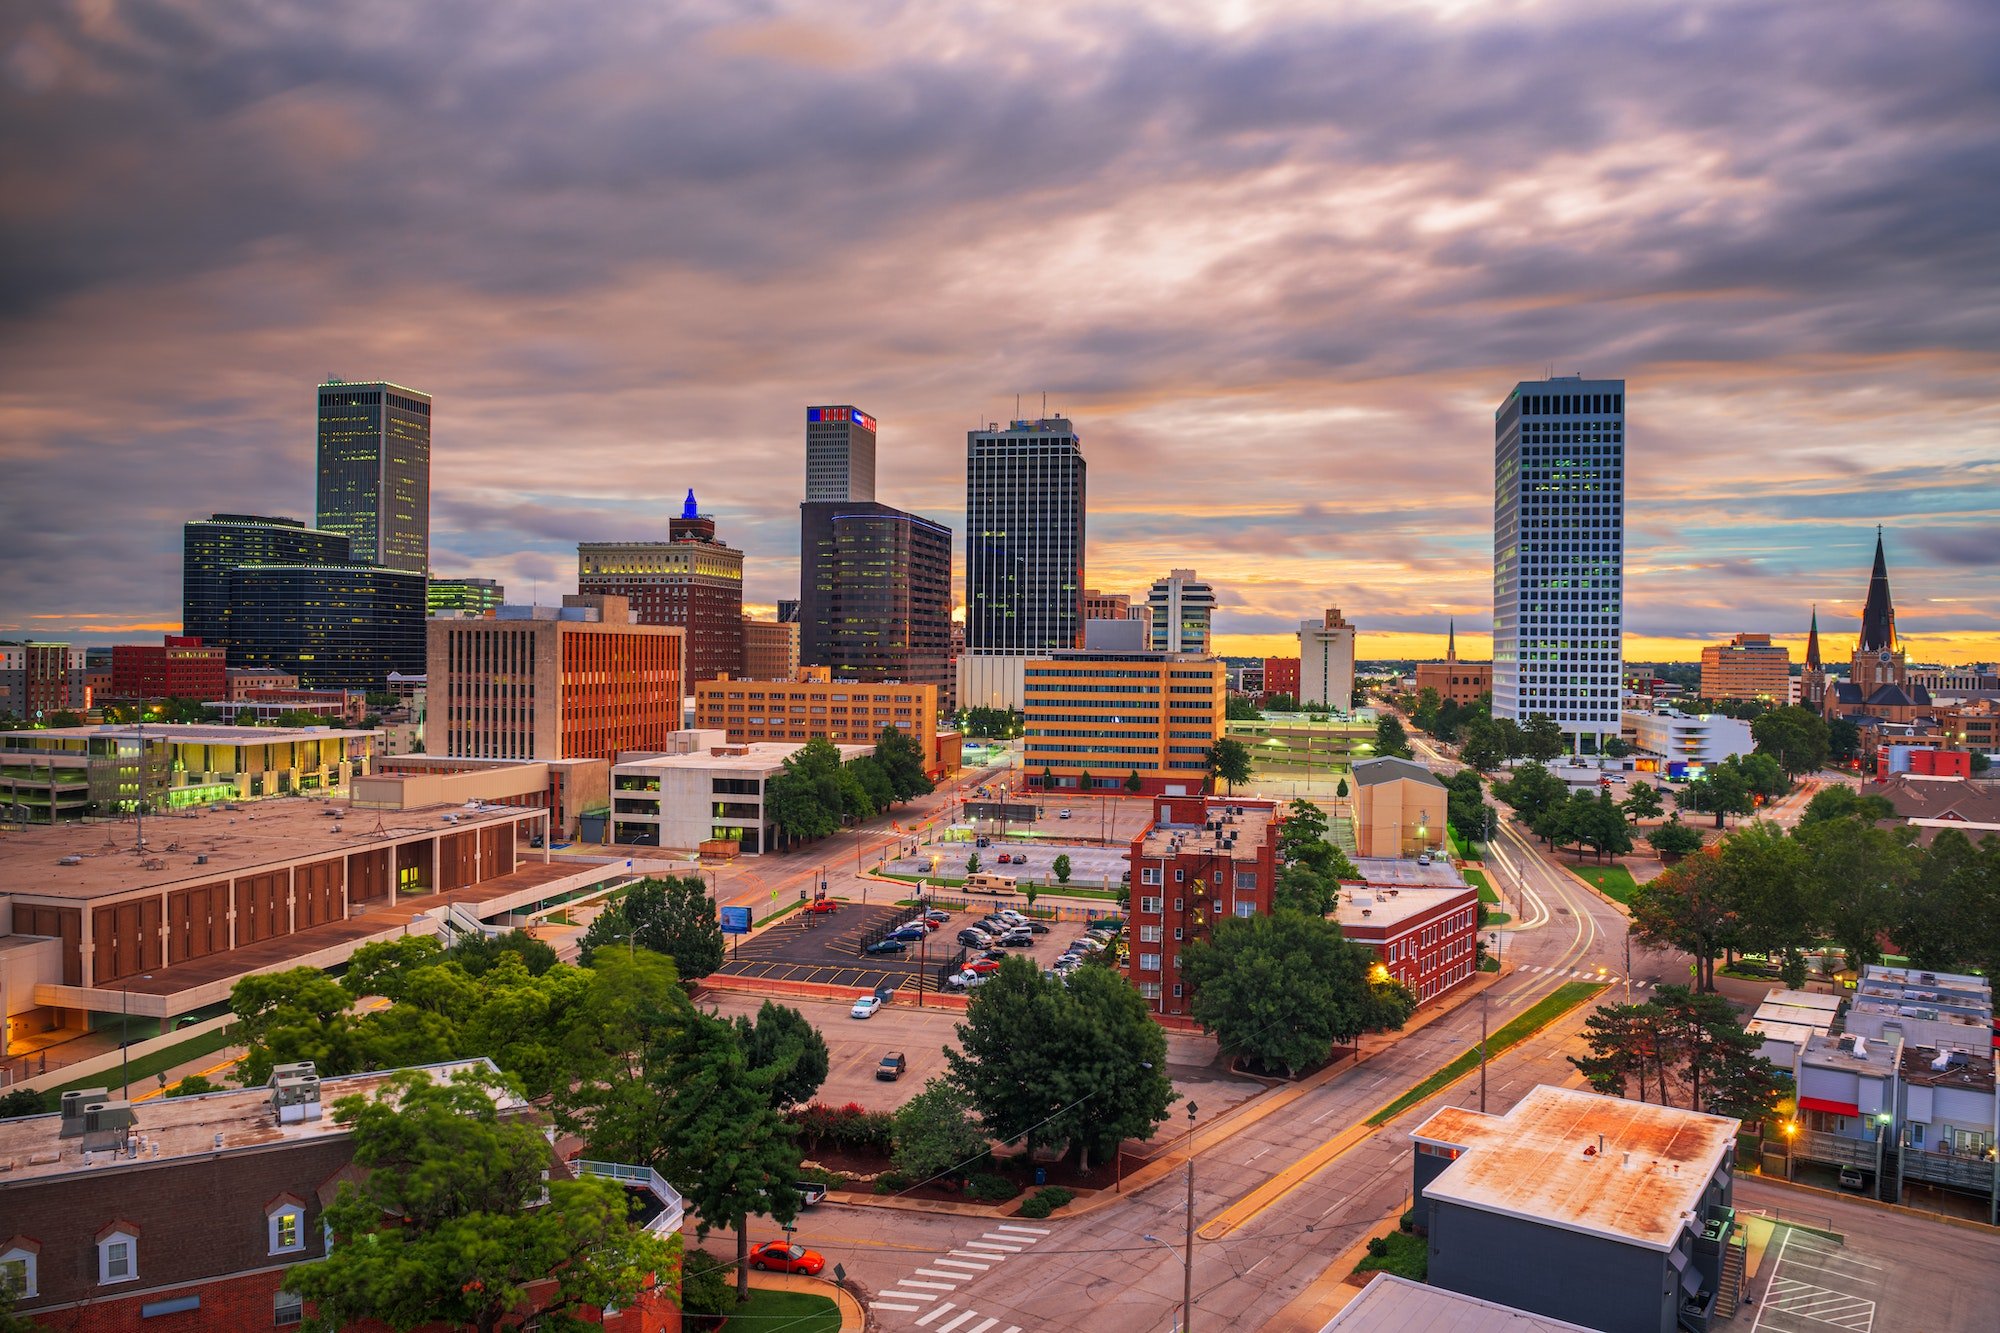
(1393, 1304)
(1368, 772)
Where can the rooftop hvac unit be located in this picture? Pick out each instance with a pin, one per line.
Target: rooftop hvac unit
(1943, 1061)
(108, 1117)
(300, 1069)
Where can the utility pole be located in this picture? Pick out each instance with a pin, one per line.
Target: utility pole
(1483, 997)
(1187, 1260)
(1628, 964)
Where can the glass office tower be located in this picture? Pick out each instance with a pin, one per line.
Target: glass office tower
(375, 472)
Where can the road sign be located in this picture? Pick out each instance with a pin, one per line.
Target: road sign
(736, 921)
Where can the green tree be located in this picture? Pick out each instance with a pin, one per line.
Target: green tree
(901, 757)
(1542, 739)
(1484, 750)
(1687, 907)
(1860, 872)
(935, 1133)
(1303, 832)
(1237, 708)
(1133, 783)
(1952, 898)
(1839, 801)
(785, 1053)
(723, 1145)
(1674, 838)
(1767, 879)
(972, 864)
(1425, 711)
(873, 780)
(1391, 741)
(1843, 741)
(22, 1101)
(298, 1014)
(1797, 738)
(1078, 1066)
(384, 967)
(1062, 867)
(1603, 826)
(1340, 790)
(809, 798)
(1228, 760)
(676, 917)
(1722, 791)
(478, 954)
(1642, 801)
(1614, 747)
(194, 1085)
(1284, 989)
(447, 1225)
(1303, 889)
(1532, 791)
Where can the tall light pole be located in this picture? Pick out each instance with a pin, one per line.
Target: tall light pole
(1483, 995)
(1187, 1257)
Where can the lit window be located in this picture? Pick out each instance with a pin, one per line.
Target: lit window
(287, 1227)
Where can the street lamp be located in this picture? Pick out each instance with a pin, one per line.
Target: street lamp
(1187, 1258)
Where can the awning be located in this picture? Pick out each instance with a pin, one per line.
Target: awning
(1831, 1108)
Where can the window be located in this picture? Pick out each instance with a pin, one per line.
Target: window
(1246, 909)
(117, 1257)
(1150, 875)
(286, 1223)
(17, 1268)
(1149, 962)
(287, 1309)
(1149, 934)
(1150, 905)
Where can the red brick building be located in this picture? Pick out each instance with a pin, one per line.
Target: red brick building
(1426, 937)
(180, 667)
(184, 1214)
(692, 580)
(1201, 859)
(1281, 676)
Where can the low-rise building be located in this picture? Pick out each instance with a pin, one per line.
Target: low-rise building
(187, 1212)
(37, 679)
(238, 681)
(1399, 808)
(178, 667)
(1749, 666)
(1456, 682)
(1281, 676)
(1638, 1198)
(1425, 937)
(1200, 861)
(770, 649)
(812, 703)
(1787, 1019)
(1947, 1124)
(1847, 1105)
(705, 793)
(1676, 743)
(1391, 1304)
(1091, 719)
(68, 773)
(259, 707)
(567, 788)
(1929, 1008)
(1302, 746)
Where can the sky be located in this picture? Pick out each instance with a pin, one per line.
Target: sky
(1278, 261)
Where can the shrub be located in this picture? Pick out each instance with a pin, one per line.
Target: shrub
(989, 1188)
(1409, 1220)
(1378, 1247)
(850, 1127)
(819, 1175)
(707, 1284)
(1046, 1201)
(891, 1181)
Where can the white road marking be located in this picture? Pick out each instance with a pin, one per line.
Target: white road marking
(885, 1305)
(934, 1314)
(894, 1294)
(1032, 1231)
(951, 1324)
(969, 1255)
(982, 1327)
(935, 1286)
(992, 1245)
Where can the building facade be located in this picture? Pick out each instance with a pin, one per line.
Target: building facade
(1559, 555)
(692, 581)
(814, 704)
(1179, 610)
(1399, 808)
(1112, 606)
(875, 594)
(706, 794)
(1455, 681)
(840, 454)
(1326, 663)
(465, 597)
(375, 472)
(1671, 742)
(179, 667)
(1024, 534)
(1201, 860)
(1092, 719)
(1878, 688)
(38, 679)
(770, 649)
(1749, 666)
(1425, 937)
(579, 681)
(332, 626)
(215, 547)
(1282, 676)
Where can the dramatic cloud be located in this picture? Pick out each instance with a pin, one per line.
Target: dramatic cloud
(1279, 263)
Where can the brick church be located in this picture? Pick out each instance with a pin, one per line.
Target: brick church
(1878, 688)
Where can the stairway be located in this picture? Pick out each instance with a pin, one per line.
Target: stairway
(1731, 1294)
(1340, 832)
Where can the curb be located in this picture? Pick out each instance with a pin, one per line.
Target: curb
(1903, 1209)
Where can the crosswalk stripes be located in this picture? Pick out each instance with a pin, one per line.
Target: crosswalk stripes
(914, 1295)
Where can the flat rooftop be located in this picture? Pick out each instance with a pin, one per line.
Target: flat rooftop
(170, 1127)
(1541, 1163)
(233, 836)
(1850, 1054)
(1389, 906)
(1969, 1070)
(1239, 836)
(1391, 1304)
(193, 733)
(1406, 870)
(1804, 999)
(749, 754)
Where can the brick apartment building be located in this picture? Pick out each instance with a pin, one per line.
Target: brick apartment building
(179, 667)
(1201, 859)
(184, 1214)
(579, 681)
(692, 580)
(770, 649)
(1281, 676)
(1425, 937)
(814, 704)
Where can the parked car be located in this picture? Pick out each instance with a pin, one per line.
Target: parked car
(982, 842)
(1423, 858)
(892, 1067)
(1011, 917)
(912, 932)
(865, 1007)
(983, 965)
(1101, 933)
(1033, 927)
(1088, 942)
(890, 945)
(963, 980)
(1062, 814)
(974, 938)
(1018, 938)
(937, 914)
(810, 1192)
(777, 1256)
(993, 925)
(822, 905)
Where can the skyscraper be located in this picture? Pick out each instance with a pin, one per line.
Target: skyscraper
(332, 626)
(875, 594)
(211, 548)
(1179, 607)
(375, 472)
(1326, 662)
(1024, 524)
(840, 454)
(1559, 554)
(692, 580)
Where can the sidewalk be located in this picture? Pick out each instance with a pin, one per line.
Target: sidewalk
(853, 1319)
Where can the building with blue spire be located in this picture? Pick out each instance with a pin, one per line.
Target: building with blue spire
(692, 579)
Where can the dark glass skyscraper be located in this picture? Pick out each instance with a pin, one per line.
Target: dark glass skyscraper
(332, 626)
(875, 594)
(375, 472)
(212, 548)
(1024, 517)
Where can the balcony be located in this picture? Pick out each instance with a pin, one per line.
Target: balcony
(1952, 1170)
(664, 1207)
(1814, 1145)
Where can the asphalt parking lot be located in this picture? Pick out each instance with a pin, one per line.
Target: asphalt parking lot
(1815, 1283)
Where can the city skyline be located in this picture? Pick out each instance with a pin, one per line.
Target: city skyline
(1804, 314)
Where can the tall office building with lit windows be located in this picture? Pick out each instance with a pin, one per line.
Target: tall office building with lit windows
(375, 472)
(1024, 512)
(840, 454)
(1559, 555)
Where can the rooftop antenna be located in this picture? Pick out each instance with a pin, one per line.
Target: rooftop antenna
(1045, 404)
(1017, 407)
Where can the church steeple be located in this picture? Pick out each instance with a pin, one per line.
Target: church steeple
(1812, 641)
(1878, 617)
(1451, 641)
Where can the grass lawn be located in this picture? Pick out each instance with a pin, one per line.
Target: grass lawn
(1551, 1007)
(1616, 882)
(1497, 919)
(1408, 1256)
(1477, 879)
(792, 906)
(145, 1068)
(791, 1311)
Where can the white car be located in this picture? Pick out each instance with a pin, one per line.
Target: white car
(866, 1006)
(1011, 917)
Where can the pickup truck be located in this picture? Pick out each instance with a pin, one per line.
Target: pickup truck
(810, 1192)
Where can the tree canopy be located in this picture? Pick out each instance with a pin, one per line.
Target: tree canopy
(1391, 741)
(1228, 760)
(1796, 737)
(672, 915)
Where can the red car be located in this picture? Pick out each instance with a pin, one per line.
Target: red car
(822, 905)
(982, 966)
(778, 1257)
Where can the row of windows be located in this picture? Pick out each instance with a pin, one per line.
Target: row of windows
(1572, 404)
(118, 1251)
